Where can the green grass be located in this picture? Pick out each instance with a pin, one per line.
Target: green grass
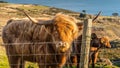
(4, 62)
(35, 10)
(107, 66)
(3, 58)
(31, 65)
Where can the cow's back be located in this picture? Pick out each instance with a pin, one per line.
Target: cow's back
(23, 29)
(22, 34)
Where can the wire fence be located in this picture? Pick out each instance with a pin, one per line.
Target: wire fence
(21, 46)
(25, 51)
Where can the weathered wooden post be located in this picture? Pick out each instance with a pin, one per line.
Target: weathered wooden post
(85, 47)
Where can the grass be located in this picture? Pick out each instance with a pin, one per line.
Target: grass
(35, 11)
(31, 10)
(3, 58)
(31, 65)
(33, 7)
(3, 4)
(101, 66)
(8, 11)
(4, 62)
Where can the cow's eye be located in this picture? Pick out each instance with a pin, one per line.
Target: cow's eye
(56, 32)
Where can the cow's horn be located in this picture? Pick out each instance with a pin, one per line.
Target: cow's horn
(42, 22)
(33, 20)
(96, 16)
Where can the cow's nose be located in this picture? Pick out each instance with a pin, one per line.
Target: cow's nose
(60, 43)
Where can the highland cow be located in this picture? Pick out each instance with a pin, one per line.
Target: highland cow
(47, 42)
(95, 45)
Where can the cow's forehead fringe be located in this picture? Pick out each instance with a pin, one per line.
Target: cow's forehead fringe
(66, 22)
(105, 38)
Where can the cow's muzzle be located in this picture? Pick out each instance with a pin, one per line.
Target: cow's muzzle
(62, 46)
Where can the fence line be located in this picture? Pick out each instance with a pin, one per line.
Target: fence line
(50, 43)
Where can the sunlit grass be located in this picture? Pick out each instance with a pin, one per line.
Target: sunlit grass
(3, 58)
(3, 4)
(4, 61)
(33, 7)
(34, 10)
(31, 65)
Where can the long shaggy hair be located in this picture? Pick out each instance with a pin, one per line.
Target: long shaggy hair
(95, 45)
(48, 45)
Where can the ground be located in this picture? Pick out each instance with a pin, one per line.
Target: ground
(104, 26)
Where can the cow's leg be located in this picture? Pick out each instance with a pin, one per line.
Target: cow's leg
(73, 60)
(51, 66)
(14, 61)
(96, 55)
(22, 63)
(69, 62)
(62, 61)
(42, 66)
(45, 66)
(93, 58)
(90, 59)
(78, 61)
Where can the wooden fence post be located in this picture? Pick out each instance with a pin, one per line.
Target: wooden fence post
(86, 37)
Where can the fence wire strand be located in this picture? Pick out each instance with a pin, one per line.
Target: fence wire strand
(102, 55)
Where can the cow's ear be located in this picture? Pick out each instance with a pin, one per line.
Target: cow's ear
(102, 40)
(94, 36)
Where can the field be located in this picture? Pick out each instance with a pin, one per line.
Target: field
(110, 26)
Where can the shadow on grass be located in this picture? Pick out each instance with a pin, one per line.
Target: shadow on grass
(116, 62)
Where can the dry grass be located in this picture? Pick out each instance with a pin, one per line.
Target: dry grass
(8, 11)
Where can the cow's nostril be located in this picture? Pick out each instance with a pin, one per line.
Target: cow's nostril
(60, 43)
